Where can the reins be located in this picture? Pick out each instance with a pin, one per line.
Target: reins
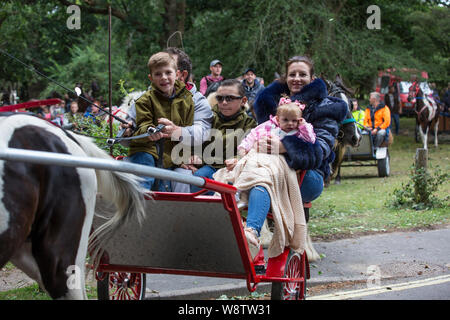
(112, 141)
(60, 85)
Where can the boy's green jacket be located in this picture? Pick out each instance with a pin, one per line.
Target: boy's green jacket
(153, 105)
(232, 130)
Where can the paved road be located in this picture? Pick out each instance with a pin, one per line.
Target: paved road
(429, 288)
(375, 260)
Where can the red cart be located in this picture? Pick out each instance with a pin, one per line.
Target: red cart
(193, 234)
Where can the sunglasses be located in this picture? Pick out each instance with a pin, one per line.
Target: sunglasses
(227, 98)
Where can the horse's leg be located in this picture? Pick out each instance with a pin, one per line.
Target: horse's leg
(62, 265)
(436, 126)
(60, 250)
(416, 130)
(423, 136)
(24, 260)
(338, 177)
(339, 160)
(16, 220)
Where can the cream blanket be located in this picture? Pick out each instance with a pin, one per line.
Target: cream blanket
(273, 173)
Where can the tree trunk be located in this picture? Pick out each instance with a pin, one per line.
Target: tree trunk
(173, 21)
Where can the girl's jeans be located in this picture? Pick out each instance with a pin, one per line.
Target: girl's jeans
(259, 199)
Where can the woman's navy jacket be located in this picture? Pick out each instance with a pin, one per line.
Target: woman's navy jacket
(323, 112)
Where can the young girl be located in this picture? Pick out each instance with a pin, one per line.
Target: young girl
(288, 121)
(270, 171)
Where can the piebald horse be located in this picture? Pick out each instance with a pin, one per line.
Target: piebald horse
(426, 110)
(46, 211)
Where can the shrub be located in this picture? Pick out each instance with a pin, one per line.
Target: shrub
(99, 131)
(419, 192)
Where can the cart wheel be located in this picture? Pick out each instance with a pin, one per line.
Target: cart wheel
(122, 286)
(384, 166)
(295, 268)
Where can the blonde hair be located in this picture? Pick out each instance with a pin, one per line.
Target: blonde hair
(161, 59)
(289, 109)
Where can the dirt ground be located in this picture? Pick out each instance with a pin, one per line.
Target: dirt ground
(12, 278)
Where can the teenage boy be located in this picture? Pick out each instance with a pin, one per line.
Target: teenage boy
(168, 98)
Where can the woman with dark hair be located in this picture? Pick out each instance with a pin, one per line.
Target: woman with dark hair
(323, 112)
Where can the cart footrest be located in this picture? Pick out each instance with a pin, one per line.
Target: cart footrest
(260, 269)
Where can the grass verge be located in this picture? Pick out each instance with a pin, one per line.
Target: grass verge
(359, 204)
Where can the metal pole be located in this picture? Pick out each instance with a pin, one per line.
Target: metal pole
(110, 79)
(60, 159)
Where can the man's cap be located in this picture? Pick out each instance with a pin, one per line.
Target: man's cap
(214, 62)
(249, 69)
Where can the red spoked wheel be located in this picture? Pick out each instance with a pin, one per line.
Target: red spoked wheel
(291, 290)
(121, 286)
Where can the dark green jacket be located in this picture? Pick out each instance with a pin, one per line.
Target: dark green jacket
(231, 131)
(153, 105)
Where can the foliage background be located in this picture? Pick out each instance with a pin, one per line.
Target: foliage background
(242, 33)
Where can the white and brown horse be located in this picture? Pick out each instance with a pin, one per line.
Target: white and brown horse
(46, 211)
(427, 110)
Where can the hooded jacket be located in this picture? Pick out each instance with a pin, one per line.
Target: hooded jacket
(153, 105)
(323, 112)
(231, 130)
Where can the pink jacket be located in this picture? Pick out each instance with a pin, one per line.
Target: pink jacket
(304, 131)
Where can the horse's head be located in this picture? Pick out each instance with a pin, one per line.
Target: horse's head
(349, 132)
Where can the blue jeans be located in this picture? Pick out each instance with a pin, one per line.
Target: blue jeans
(259, 198)
(206, 172)
(395, 118)
(147, 159)
(312, 186)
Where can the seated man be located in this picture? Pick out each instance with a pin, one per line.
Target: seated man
(377, 119)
